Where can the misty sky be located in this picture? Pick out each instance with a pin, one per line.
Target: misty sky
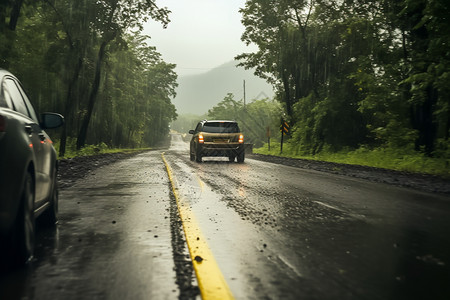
(202, 34)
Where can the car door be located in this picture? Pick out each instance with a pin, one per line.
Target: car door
(194, 138)
(38, 140)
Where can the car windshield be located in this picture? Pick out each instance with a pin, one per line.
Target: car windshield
(221, 127)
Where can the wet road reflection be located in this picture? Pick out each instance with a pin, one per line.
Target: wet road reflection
(113, 240)
(286, 233)
(276, 232)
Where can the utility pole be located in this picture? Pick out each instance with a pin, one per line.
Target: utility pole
(244, 93)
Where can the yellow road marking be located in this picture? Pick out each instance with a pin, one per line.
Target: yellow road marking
(211, 282)
(200, 182)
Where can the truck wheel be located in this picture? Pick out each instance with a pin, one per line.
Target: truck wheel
(241, 157)
(198, 155)
(198, 158)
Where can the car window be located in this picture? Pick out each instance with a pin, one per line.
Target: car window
(28, 104)
(14, 97)
(220, 127)
(6, 101)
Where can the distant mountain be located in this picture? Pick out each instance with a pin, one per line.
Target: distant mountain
(196, 94)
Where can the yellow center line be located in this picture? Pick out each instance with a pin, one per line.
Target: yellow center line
(211, 282)
(200, 182)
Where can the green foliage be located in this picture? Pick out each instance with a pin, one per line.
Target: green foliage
(85, 151)
(354, 73)
(186, 122)
(89, 150)
(140, 85)
(82, 59)
(255, 119)
(399, 159)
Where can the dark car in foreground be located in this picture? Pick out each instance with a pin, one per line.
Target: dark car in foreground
(28, 168)
(217, 138)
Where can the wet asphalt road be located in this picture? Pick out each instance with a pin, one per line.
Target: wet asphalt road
(276, 232)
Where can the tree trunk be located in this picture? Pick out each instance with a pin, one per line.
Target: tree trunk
(9, 29)
(81, 140)
(425, 122)
(15, 13)
(2, 17)
(69, 107)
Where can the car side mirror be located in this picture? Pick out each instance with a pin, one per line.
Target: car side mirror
(191, 131)
(51, 120)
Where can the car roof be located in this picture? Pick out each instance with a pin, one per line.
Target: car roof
(4, 72)
(219, 121)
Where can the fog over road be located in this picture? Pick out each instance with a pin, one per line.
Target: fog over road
(276, 232)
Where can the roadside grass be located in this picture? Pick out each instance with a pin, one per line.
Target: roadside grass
(393, 159)
(90, 150)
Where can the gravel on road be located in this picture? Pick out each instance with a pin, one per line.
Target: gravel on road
(72, 169)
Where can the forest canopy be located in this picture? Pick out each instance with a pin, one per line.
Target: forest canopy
(89, 61)
(353, 73)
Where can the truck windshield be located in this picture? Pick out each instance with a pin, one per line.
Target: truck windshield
(221, 127)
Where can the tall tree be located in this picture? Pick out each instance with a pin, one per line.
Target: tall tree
(113, 19)
(355, 72)
(75, 19)
(427, 37)
(281, 31)
(9, 16)
(63, 39)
